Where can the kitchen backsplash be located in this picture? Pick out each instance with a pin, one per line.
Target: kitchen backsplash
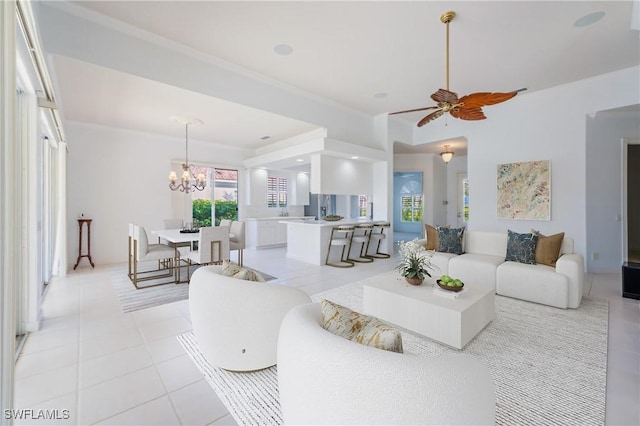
(264, 211)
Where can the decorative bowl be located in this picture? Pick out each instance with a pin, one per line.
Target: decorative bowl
(332, 218)
(450, 288)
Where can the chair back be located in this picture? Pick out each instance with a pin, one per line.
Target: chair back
(173, 224)
(237, 229)
(225, 222)
(140, 238)
(213, 252)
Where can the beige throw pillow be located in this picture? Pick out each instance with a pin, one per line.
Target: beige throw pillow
(432, 237)
(229, 269)
(548, 249)
(360, 328)
(248, 275)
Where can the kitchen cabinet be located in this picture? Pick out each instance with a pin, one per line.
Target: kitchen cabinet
(265, 233)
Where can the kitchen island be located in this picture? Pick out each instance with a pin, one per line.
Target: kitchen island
(308, 240)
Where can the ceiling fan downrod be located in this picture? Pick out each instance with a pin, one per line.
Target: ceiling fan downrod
(445, 18)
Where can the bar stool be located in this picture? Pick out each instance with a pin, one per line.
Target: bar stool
(344, 241)
(378, 237)
(362, 239)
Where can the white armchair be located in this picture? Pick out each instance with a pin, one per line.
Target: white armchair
(327, 379)
(236, 322)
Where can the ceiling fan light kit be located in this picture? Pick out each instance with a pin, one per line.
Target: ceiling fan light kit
(446, 155)
(468, 107)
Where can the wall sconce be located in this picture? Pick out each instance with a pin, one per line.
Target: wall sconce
(446, 155)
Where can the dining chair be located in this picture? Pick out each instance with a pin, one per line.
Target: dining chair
(143, 252)
(225, 222)
(236, 239)
(213, 247)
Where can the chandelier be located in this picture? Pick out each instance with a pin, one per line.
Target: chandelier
(189, 182)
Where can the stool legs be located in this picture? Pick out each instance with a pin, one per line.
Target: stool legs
(346, 245)
(364, 241)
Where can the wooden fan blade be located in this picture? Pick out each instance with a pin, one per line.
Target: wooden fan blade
(485, 98)
(430, 117)
(465, 113)
(443, 95)
(413, 110)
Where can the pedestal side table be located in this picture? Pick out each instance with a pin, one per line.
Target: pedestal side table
(81, 223)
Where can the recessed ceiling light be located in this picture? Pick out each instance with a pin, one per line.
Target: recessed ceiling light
(299, 160)
(380, 95)
(589, 19)
(264, 138)
(355, 157)
(283, 49)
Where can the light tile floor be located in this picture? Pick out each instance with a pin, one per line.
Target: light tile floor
(107, 367)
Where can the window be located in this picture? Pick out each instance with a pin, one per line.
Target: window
(362, 205)
(276, 191)
(465, 199)
(411, 206)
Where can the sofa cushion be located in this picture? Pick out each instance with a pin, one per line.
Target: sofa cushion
(360, 328)
(432, 237)
(521, 247)
(475, 269)
(450, 240)
(534, 283)
(548, 248)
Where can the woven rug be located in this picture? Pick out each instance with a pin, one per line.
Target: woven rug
(548, 364)
(132, 299)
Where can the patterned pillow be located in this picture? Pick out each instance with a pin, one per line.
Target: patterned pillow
(248, 275)
(450, 240)
(548, 249)
(360, 328)
(521, 247)
(229, 269)
(432, 237)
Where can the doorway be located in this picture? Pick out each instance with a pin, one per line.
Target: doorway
(462, 204)
(408, 206)
(631, 200)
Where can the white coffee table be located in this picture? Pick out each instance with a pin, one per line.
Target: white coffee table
(453, 322)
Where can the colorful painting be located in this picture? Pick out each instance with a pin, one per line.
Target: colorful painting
(524, 191)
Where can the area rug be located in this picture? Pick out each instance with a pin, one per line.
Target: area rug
(548, 364)
(132, 299)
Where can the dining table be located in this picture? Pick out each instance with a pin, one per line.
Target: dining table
(179, 238)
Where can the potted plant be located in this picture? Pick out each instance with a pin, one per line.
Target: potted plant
(415, 262)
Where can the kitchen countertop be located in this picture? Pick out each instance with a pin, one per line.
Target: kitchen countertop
(280, 217)
(326, 222)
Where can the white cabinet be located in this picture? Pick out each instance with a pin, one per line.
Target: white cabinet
(265, 233)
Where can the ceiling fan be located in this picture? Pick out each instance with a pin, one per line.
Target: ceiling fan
(468, 107)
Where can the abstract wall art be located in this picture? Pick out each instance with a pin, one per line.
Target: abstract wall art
(524, 190)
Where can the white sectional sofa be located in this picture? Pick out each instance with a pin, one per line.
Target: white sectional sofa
(483, 263)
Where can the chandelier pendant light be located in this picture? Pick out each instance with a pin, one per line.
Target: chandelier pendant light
(189, 182)
(446, 155)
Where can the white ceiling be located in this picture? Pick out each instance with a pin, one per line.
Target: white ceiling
(347, 52)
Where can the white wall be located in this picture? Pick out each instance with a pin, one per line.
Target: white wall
(604, 188)
(341, 176)
(545, 125)
(117, 176)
